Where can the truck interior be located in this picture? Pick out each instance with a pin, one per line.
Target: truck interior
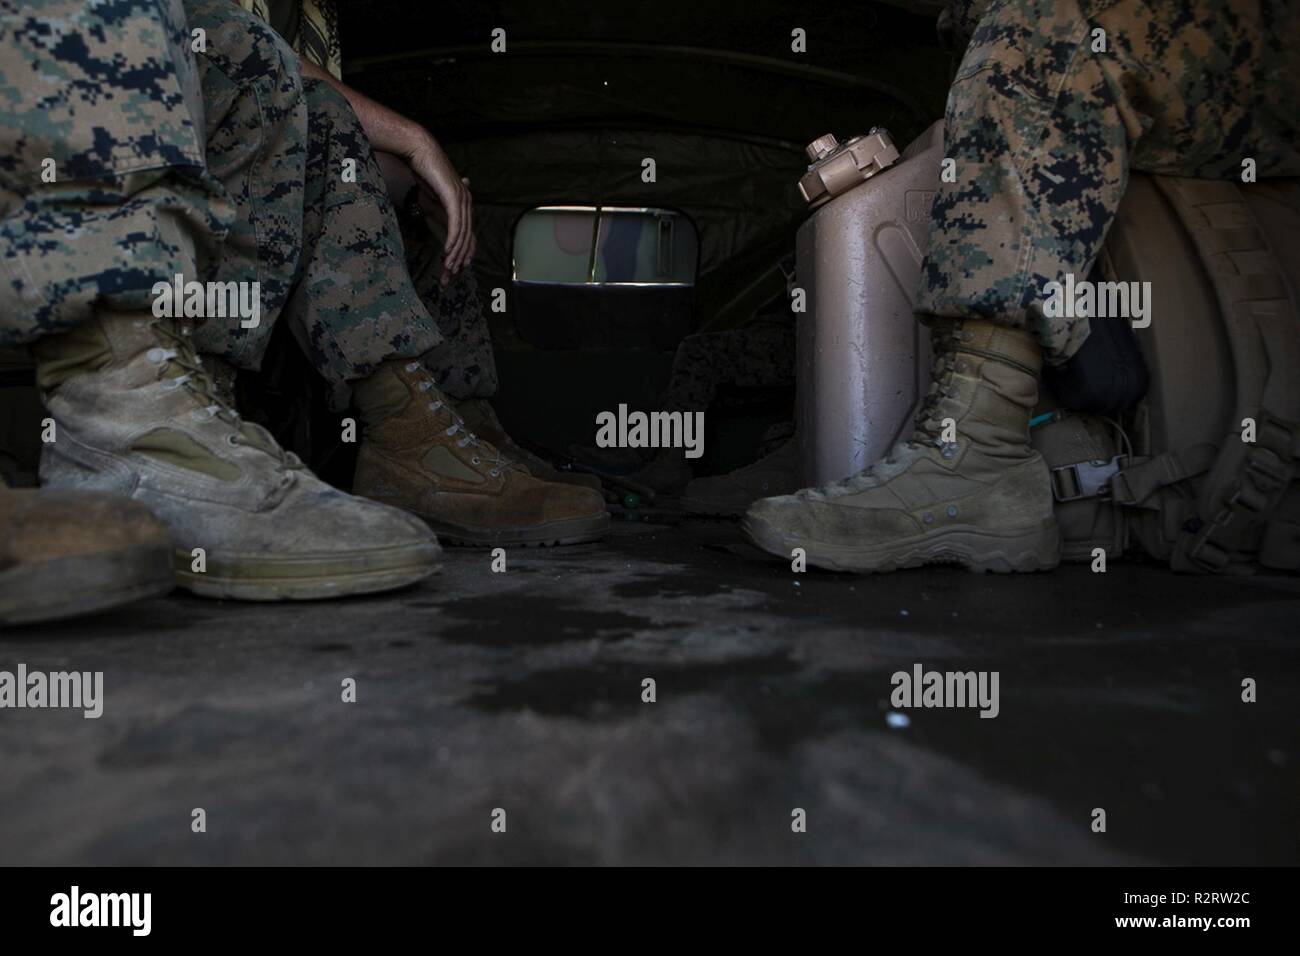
(1120, 690)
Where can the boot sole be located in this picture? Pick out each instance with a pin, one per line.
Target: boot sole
(553, 533)
(305, 578)
(968, 547)
(83, 584)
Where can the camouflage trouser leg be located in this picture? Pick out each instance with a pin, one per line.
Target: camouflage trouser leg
(354, 305)
(757, 356)
(256, 127)
(464, 364)
(1044, 129)
(318, 234)
(103, 192)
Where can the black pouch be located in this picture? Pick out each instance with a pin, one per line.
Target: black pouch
(1106, 375)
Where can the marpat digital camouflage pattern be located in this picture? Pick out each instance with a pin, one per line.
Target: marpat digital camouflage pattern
(103, 191)
(315, 224)
(1044, 130)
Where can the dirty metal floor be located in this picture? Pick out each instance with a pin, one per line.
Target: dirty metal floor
(522, 691)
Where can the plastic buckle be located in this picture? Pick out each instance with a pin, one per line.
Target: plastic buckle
(1268, 473)
(1085, 479)
(1207, 555)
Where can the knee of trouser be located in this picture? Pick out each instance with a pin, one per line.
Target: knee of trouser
(324, 101)
(341, 168)
(334, 125)
(247, 50)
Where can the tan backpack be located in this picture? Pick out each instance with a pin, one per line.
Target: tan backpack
(1179, 475)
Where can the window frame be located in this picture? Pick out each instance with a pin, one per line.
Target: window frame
(599, 209)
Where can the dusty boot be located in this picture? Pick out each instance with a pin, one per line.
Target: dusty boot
(482, 420)
(67, 553)
(136, 414)
(223, 376)
(418, 454)
(983, 500)
(732, 493)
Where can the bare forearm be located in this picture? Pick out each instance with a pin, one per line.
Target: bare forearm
(398, 176)
(393, 135)
(388, 131)
(425, 162)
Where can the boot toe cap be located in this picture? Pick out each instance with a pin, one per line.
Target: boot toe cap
(561, 501)
(797, 519)
(345, 522)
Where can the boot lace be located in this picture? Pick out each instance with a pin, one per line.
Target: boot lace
(927, 426)
(497, 462)
(196, 380)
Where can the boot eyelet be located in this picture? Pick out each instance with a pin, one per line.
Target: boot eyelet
(476, 460)
(494, 472)
(412, 366)
(232, 440)
(952, 511)
(928, 518)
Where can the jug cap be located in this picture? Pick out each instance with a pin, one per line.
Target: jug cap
(838, 167)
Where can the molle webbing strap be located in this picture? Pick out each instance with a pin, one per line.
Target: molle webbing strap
(1135, 485)
(1248, 481)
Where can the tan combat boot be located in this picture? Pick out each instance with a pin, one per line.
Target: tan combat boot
(68, 553)
(137, 414)
(965, 489)
(482, 420)
(418, 454)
